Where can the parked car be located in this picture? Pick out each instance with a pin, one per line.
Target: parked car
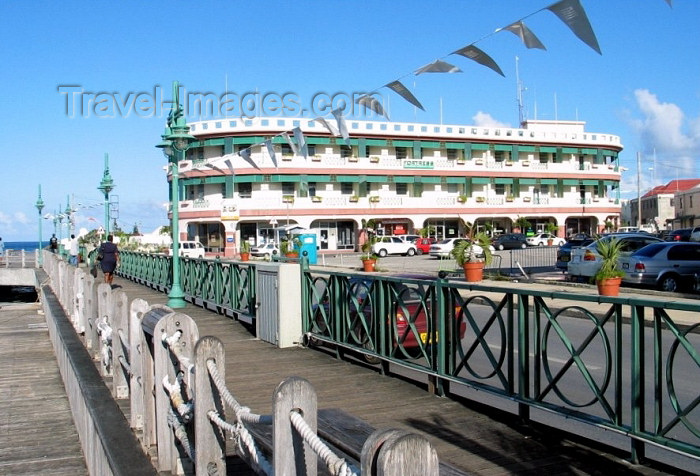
(542, 239)
(423, 245)
(669, 266)
(189, 249)
(443, 248)
(267, 250)
(510, 241)
(564, 252)
(393, 245)
(682, 234)
(585, 262)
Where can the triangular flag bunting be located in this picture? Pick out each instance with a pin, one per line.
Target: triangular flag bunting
(271, 151)
(331, 128)
(372, 104)
(572, 13)
(526, 35)
(291, 143)
(245, 153)
(474, 53)
(301, 142)
(403, 91)
(342, 127)
(438, 66)
(230, 166)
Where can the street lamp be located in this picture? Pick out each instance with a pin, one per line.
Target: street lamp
(106, 186)
(40, 206)
(69, 217)
(175, 143)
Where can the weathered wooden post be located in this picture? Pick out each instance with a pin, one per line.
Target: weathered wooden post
(398, 453)
(77, 308)
(121, 355)
(168, 367)
(136, 348)
(291, 455)
(211, 440)
(90, 313)
(103, 324)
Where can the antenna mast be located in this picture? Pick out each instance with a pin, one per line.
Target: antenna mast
(519, 93)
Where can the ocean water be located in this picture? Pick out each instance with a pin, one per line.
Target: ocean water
(24, 245)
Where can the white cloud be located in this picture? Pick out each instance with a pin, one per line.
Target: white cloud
(483, 119)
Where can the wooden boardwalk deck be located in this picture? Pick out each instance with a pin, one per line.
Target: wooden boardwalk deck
(37, 433)
(468, 436)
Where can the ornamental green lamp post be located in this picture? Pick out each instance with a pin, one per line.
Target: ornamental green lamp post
(40, 206)
(175, 143)
(106, 186)
(69, 218)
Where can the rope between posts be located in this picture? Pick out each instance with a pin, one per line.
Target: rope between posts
(336, 465)
(184, 409)
(245, 443)
(180, 434)
(125, 365)
(242, 413)
(185, 363)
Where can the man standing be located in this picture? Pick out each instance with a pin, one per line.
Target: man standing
(73, 259)
(53, 243)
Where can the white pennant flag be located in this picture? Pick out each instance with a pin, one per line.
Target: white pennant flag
(574, 16)
(372, 104)
(271, 151)
(291, 143)
(342, 127)
(230, 166)
(245, 153)
(301, 141)
(328, 126)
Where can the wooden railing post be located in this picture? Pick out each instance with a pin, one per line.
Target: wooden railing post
(211, 439)
(120, 350)
(90, 313)
(291, 455)
(136, 349)
(104, 315)
(398, 453)
(78, 303)
(168, 458)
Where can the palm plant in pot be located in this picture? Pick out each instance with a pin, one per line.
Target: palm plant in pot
(473, 253)
(245, 250)
(552, 229)
(368, 258)
(609, 276)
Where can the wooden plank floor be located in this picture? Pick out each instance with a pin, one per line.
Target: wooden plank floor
(470, 437)
(37, 432)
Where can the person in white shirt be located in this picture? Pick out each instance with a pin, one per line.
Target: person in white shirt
(74, 250)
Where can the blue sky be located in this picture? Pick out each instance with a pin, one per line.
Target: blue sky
(645, 87)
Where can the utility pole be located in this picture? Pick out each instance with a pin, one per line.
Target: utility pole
(639, 190)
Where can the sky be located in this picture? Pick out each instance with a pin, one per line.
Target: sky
(81, 79)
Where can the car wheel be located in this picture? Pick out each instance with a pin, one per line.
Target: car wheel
(540, 244)
(670, 283)
(266, 256)
(523, 246)
(500, 247)
(382, 253)
(419, 252)
(411, 252)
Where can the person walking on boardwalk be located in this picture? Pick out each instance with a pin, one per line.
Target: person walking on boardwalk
(110, 258)
(53, 243)
(73, 259)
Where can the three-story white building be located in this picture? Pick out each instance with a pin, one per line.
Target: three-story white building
(402, 176)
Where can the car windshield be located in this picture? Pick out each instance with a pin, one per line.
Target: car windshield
(444, 242)
(649, 250)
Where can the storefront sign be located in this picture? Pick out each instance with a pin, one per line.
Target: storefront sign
(229, 210)
(418, 164)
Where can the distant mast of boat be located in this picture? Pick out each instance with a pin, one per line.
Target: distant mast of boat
(519, 93)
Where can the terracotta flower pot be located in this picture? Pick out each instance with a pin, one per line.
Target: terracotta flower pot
(368, 264)
(474, 271)
(609, 287)
(245, 256)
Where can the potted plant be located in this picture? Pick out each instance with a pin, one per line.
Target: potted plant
(353, 198)
(369, 259)
(552, 229)
(244, 250)
(609, 276)
(462, 198)
(473, 253)
(290, 248)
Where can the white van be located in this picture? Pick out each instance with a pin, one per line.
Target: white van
(627, 229)
(189, 249)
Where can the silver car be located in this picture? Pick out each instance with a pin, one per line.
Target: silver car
(669, 266)
(585, 262)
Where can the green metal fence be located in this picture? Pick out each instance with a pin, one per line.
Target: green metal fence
(227, 287)
(621, 364)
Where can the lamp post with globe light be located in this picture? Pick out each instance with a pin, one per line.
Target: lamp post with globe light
(175, 143)
(106, 186)
(40, 206)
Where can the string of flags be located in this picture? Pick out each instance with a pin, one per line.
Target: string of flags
(570, 12)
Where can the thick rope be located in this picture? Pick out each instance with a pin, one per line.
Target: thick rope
(336, 465)
(185, 410)
(184, 361)
(242, 413)
(245, 443)
(125, 365)
(180, 434)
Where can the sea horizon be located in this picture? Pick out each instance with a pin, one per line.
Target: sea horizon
(24, 245)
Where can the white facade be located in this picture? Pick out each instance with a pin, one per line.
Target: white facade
(401, 176)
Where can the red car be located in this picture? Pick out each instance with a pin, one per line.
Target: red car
(423, 244)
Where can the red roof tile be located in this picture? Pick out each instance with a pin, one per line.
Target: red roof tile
(673, 186)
